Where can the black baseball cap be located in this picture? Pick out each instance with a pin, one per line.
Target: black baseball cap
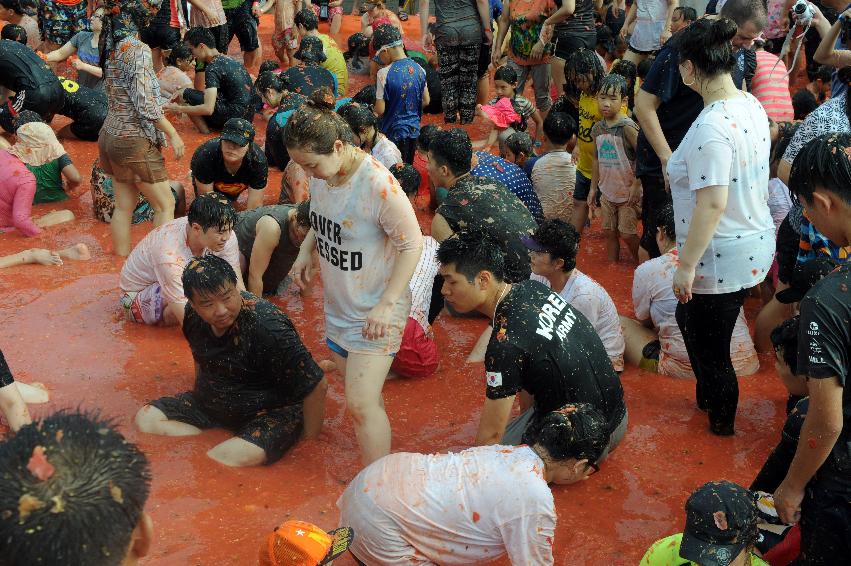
(311, 50)
(721, 521)
(238, 131)
(804, 277)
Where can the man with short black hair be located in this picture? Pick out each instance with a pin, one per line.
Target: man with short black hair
(477, 203)
(150, 283)
(541, 347)
(228, 88)
(74, 492)
(11, 11)
(231, 164)
(253, 374)
(307, 24)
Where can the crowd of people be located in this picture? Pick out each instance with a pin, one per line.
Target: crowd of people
(676, 133)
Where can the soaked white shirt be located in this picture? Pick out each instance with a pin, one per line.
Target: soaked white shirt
(469, 507)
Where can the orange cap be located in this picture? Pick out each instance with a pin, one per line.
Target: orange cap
(297, 543)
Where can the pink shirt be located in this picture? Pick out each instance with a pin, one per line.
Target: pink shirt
(771, 87)
(17, 189)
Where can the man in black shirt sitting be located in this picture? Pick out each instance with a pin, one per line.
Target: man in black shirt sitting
(35, 86)
(541, 347)
(228, 88)
(231, 164)
(253, 374)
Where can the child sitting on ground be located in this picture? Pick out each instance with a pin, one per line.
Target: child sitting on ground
(613, 169)
(518, 148)
(173, 77)
(507, 109)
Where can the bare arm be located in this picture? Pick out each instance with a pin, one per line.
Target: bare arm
(629, 20)
(203, 188)
(313, 409)
(440, 229)
(202, 6)
(72, 176)
(539, 124)
(267, 237)
(502, 31)
(826, 54)
(61, 54)
(379, 107)
(493, 420)
(646, 105)
(205, 109)
(568, 7)
(255, 198)
(426, 98)
(666, 31)
(484, 8)
(13, 407)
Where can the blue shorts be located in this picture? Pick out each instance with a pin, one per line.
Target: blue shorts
(582, 187)
(342, 352)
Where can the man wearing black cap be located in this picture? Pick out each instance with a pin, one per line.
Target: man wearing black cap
(541, 347)
(721, 530)
(308, 76)
(231, 163)
(228, 88)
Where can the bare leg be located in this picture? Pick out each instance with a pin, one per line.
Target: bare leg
(477, 354)
(365, 375)
(557, 72)
(79, 252)
(126, 198)
(636, 336)
(237, 453)
(34, 255)
(613, 245)
(54, 218)
(643, 255)
(631, 241)
(173, 314)
(580, 215)
(336, 22)
(634, 57)
(33, 393)
(161, 200)
(200, 124)
(66, 133)
(153, 421)
(483, 92)
(180, 202)
(252, 58)
(768, 319)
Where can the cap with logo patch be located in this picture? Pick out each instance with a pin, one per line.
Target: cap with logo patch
(298, 543)
(238, 131)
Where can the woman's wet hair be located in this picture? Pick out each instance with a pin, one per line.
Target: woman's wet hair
(784, 338)
(212, 210)
(706, 43)
(358, 117)
(366, 95)
(268, 66)
(581, 63)
(408, 177)
(315, 127)
(629, 72)
(207, 274)
(453, 149)
(427, 134)
(302, 214)
(506, 74)
(665, 221)
(269, 80)
(803, 103)
(823, 163)
(786, 131)
(576, 431)
(178, 52)
(471, 252)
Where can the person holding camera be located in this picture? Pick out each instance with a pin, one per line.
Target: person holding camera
(839, 33)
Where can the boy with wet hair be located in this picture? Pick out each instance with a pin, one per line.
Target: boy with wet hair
(75, 490)
(253, 374)
(151, 288)
(14, 32)
(553, 173)
(682, 17)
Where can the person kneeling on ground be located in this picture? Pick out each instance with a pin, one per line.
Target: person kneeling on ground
(654, 342)
(553, 248)
(253, 374)
(231, 164)
(541, 347)
(269, 238)
(151, 288)
(505, 508)
(78, 490)
(721, 529)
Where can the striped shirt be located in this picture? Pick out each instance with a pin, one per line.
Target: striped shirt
(422, 282)
(133, 92)
(770, 86)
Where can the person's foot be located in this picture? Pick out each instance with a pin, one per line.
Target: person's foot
(45, 257)
(33, 393)
(79, 252)
(327, 366)
(722, 429)
(55, 217)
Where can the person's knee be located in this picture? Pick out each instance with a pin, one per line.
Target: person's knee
(148, 419)
(362, 407)
(237, 453)
(160, 197)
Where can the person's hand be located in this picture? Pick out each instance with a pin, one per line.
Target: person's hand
(537, 51)
(787, 502)
(664, 161)
(428, 42)
(177, 145)
(302, 270)
(683, 280)
(172, 106)
(488, 36)
(255, 10)
(666, 35)
(592, 199)
(495, 56)
(377, 322)
(77, 64)
(818, 16)
(634, 193)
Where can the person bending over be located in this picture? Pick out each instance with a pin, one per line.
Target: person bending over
(34, 85)
(553, 248)
(654, 342)
(307, 24)
(541, 347)
(505, 508)
(87, 108)
(150, 283)
(253, 374)
(228, 89)
(76, 490)
(232, 164)
(269, 238)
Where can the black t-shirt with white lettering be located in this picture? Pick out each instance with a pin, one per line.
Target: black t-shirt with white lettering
(824, 352)
(259, 363)
(208, 166)
(544, 346)
(5, 373)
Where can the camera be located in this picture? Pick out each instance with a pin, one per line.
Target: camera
(802, 12)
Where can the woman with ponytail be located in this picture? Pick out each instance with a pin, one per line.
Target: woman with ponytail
(725, 235)
(369, 243)
(133, 135)
(364, 125)
(474, 506)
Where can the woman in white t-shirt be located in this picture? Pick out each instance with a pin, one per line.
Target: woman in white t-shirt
(474, 506)
(364, 126)
(369, 242)
(725, 235)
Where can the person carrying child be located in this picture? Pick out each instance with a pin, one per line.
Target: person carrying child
(613, 169)
(508, 109)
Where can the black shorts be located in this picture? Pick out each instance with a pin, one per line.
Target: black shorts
(634, 50)
(158, 36)
(222, 37)
(220, 115)
(46, 101)
(273, 430)
(788, 244)
(86, 130)
(569, 42)
(243, 25)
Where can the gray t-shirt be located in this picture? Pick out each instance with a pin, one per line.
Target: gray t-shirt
(285, 252)
(82, 41)
(457, 22)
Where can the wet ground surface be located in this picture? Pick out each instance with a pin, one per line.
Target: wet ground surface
(62, 326)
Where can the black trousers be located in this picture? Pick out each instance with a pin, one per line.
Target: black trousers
(707, 323)
(653, 198)
(825, 527)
